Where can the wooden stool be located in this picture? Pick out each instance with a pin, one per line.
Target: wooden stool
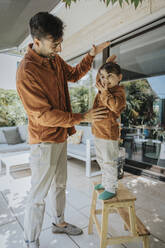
(124, 205)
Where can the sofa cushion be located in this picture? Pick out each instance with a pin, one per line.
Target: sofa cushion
(80, 150)
(12, 136)
(75, 138)
(23, 131)
(2, 136)
(14, 148)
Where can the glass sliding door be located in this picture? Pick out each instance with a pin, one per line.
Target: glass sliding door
(142, 59)
(82, 93)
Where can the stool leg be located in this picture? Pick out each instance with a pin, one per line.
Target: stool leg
(125, 227)
(92, 212)
(132, 218)
(145, 242)
(104, 227)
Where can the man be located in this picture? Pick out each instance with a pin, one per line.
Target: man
(42, 86)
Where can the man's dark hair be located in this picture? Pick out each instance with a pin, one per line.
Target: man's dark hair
(43, 24)
(111, 67)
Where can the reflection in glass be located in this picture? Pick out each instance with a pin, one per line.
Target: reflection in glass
(143, 132)
(141, 57)
(83, 92)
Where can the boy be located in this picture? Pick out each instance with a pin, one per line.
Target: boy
(112, 96)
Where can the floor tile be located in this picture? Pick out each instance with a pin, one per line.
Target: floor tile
(86, 240)
(11, 236)
(156, 243)
(76, 198)
(18, 198)
(150, 204)
(85, 210)
(50, 240)
(73, 216)
(6, 215)
(47, 223)
(154, 223)
(91, 241)
(153, 243)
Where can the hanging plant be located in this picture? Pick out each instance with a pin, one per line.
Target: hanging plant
(107, 2)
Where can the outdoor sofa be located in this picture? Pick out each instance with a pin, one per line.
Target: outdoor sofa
(14, 139)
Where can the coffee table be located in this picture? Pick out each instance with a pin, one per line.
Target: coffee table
(19, 159)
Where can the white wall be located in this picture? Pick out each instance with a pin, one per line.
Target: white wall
(8, 67)
(91, 22)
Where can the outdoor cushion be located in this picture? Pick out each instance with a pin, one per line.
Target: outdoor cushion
(75, 138)
(80, 150)
(2, 137)
(23, 131)
(87, 134)
(12, 136)
(14, 148)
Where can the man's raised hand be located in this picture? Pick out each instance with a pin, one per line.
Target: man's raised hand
(99, 48)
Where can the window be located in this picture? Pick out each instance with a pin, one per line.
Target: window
(141, 55)
(83, 92)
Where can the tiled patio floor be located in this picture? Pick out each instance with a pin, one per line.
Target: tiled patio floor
(150, 207)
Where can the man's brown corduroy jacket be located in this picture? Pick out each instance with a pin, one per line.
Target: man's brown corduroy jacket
(43, 88)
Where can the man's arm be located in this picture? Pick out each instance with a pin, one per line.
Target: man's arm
(73, 74)
(38, 107)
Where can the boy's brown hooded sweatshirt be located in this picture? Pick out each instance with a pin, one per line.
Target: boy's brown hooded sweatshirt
(115, 100)
(43, 88)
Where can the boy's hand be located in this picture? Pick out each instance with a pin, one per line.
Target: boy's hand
(111, 58)
(101, 86)
(96, 114)
(99, 48)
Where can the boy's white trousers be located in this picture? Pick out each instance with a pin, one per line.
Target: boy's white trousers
(107, 153)
(48, 163)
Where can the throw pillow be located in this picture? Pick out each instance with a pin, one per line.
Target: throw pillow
(12, 136)
(2, 137)
(23, 131)
(75, 138)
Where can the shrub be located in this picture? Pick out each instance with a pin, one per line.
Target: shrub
(12, 112)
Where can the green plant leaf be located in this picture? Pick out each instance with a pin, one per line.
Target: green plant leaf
(114, 1)
(127, 1)
(120, 2)
(108, 1)
(136, 3)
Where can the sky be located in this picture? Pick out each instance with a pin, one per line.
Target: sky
(158, 85)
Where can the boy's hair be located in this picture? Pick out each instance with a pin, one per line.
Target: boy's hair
(43, 24)
(111, 67)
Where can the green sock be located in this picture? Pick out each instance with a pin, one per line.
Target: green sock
(99, 186)
(106, 195)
